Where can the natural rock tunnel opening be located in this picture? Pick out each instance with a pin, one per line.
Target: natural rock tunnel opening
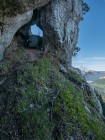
(28, 42)
(30, 35)
(59, 29)
(35, 39)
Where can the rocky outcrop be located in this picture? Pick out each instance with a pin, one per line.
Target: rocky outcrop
(60, 20)
(10, 26)
(13, 15)
(9, 8)
(41, 96)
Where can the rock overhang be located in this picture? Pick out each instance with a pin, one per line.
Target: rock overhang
(13, 15)
(58, 19)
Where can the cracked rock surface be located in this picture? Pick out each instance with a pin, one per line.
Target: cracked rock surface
(13, 15)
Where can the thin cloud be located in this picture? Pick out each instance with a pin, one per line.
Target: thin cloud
(80, 61)
(97, 58)
(94, 63)
(91, 58)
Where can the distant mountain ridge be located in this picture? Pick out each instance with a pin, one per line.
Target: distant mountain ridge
(94, 75)
(97, 80)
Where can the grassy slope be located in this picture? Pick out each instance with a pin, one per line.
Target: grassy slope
(67, 103)
(44, 103)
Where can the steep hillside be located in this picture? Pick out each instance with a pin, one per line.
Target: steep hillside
(42, 97)
(40, 101)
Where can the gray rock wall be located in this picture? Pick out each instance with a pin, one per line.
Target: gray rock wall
(60, 20)
(13, 15)
(11, 25)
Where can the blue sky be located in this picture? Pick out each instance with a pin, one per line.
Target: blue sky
(36, 30)
(92, 38)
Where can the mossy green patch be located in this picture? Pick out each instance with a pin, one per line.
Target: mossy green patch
(68, 107)
(75, 77)
(92, 102)
(33, 115)
(50, 105)
(33, 105)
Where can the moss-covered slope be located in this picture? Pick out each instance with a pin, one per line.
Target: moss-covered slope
(38, 102)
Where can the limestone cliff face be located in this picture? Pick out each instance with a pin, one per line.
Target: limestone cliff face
(59, 20)
(13, 15)
(9, 27)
